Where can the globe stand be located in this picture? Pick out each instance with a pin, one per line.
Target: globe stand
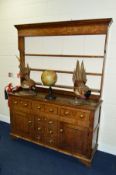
(50, 95)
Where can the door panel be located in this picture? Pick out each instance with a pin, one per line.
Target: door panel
(22, 124)
(73, 140)
(80, 142)
(66, 137)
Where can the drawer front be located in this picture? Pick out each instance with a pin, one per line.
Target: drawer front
(20, 104)
(75, 117)
(38, 120)
(83, 118)
(39, 137)
(37, 107)
(66, 112)
(51, 124)
(51, 133)
(40, 129)
(51, 109)
(51, 141)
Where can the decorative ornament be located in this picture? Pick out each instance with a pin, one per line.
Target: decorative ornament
(26, 81)
(79, 80)
(49, 78)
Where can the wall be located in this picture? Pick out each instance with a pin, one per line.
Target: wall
(29, 11)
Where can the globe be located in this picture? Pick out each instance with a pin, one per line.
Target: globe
(49, 77)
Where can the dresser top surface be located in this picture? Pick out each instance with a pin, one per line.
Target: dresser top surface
(63, 100)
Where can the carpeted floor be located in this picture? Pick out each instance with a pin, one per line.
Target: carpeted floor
(19, 157)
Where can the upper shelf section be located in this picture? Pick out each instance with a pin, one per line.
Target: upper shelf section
(77, 27)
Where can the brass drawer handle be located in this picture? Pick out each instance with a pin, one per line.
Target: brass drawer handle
(29, 121)
(38, 119)
(25, 104)
(51, 110)
(50, 122)
(39, 129)
(15, 102)
(61, 130)
(51, 132)
(66, 112)
(81, 116)
(38, 107)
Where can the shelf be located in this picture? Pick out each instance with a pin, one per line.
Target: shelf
(67, 87)
(64, 55)
(66, 72)
(66, 28)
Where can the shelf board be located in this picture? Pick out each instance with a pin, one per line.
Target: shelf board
(67, 87)
(66, 72)
(64, 55)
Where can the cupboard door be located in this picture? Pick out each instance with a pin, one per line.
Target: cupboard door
(80, 141)
(73, 140)
(66, 136)
(22, 124)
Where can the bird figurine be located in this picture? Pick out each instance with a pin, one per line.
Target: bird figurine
(79, 80)
(26, 81)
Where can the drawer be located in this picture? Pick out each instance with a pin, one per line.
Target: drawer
(51, 124)
(66, 112)
(75, 117)
(15, 102)
(38, 120)
(37, 107)
(68, 115)
(51, 132)
(51, 141)
(51, 109)
(83, 118)
(40, 129)
(39, 138)
(21, 104)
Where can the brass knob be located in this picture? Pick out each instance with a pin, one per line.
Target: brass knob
(50, 131)
(29, 121)
(61, 130)
(38, 119)
(51, 110)
(50, 122)
(38, 107)
(25, 104)
(81, 116)
(39, 129)
(67, 112)
(15, 102)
